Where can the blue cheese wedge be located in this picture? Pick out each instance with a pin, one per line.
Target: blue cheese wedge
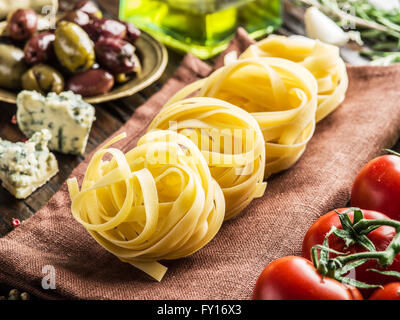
(66, 116)
(24, 167)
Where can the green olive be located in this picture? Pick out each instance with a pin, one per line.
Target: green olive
(12, 66)
(73, 47)
(43, 79)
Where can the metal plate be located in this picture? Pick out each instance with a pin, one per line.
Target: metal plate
(154, 58)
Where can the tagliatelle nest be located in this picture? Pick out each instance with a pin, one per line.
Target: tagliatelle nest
(157, 201)
(321, 59)
(280, 94)
(230, 140)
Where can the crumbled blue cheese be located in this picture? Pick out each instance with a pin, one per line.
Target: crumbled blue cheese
(66, 115)
(24, 167)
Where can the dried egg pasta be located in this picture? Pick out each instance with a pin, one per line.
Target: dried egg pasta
(280, 94)
(230, 140)
(321, 59)
(157, 201)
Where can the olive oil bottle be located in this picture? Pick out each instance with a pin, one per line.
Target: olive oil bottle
(202, 27)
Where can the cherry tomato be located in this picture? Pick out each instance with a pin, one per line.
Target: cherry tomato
(295, 278)
(380, 237)
(390, 291)
(377, 186)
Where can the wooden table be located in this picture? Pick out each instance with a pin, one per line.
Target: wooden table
(110, 117)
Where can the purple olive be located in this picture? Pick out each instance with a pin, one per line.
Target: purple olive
(90, 8)
(93, 29)
(79, 17)
(39, 48)
(105, 28)
(112, 28)
(116, 55)
(132, 33)
(22, 24)
(91, 83)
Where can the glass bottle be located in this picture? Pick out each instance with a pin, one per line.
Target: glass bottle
(202, 27)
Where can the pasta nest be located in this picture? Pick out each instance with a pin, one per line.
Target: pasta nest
(230, 140)
(321, 59)
(157, 201)
(280, 94)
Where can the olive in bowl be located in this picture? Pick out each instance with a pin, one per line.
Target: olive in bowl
(90, 8)
(39, 48)
(104, 28)
(116, 55)
(132, 33)
(43, 78)
(22, 24)
(91, 83)
(73, 47)
(12, 66)
(79, 17)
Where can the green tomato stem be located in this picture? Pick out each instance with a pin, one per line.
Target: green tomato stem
(378, 255)
(364, 224)
(337, 267)
(385, 258)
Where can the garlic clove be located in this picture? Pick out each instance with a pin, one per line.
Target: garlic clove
(321, 27)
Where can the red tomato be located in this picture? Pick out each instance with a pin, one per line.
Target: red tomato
(390, 291)
(380, 237)
(377, 186)
(295, 278)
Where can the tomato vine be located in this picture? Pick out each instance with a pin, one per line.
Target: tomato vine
(355, 232)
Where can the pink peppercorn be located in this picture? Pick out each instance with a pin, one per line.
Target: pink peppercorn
(16, 223)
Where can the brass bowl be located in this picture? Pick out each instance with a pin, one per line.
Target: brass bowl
(153, 57)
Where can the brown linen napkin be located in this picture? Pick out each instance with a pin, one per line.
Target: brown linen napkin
(271, 227)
